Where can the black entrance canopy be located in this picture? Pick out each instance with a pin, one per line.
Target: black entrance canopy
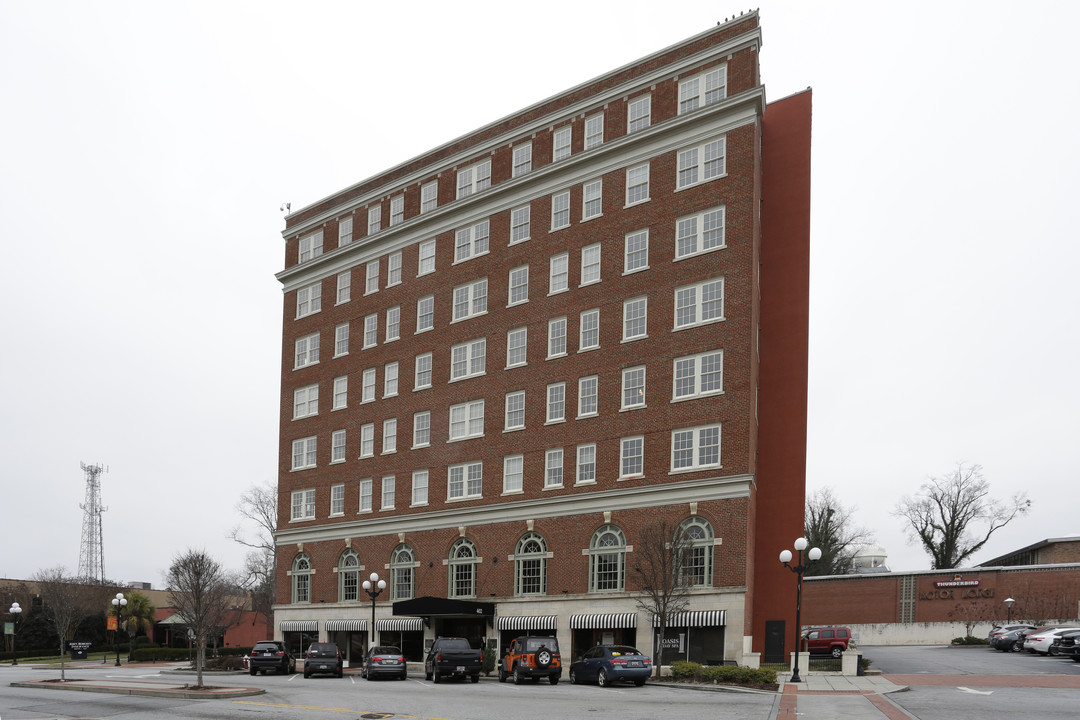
(429, 606)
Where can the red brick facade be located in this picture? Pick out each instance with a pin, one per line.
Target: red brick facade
(760, 265)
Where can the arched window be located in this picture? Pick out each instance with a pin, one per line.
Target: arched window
(463, 559)
(530, 565)
(697, 539)
(348, 576)
(301, 579)
(607, 560)
(402, 569)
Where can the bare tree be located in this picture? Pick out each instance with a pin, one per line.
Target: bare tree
(259, 505)
(662, 561)
(830, 527)
(67, 601)
(197, 590)
(942, 514)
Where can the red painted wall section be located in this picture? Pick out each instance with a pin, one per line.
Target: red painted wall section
(783, 351)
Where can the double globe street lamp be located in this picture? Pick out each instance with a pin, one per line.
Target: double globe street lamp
(799, 570)
(119, 602)
(15, 611)
(373, 586)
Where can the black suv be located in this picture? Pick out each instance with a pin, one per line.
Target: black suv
(271, 655)
(323, 658)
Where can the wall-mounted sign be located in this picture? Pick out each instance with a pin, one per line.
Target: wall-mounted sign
(957, 581)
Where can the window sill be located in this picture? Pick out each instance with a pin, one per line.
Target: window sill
(631, 408)
(634, 339)
(699, 324)
(699, 253)
(588, 349)
(584, 482)
(697, 397)
(703, 468)
(636, 203)
(513, 429)
(643, 268)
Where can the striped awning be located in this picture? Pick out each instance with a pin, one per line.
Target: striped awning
(696, 618)
(299, 626)
(528, 622)
(346, 625)
(400, 625)
(603, 621)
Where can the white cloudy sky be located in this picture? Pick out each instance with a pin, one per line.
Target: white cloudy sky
(146, 148)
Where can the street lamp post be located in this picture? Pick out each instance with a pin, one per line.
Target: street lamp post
(15, 611)
(373, 586)
(799, 570)
(1008, 604)
(119, 602)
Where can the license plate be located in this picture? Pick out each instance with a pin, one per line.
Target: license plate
(266, 654)
(323, 666)
(461, 668)
(635, 663)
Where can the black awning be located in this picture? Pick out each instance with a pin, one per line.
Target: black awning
(429, 606)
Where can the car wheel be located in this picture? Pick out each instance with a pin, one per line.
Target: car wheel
(502, 672)
(1055, 651)
(519, 677)
(474, 678)
(573, 677)
(369, 677)
(601, 679)
(341, 672)
(553, 679)
(1015, 647)
(435, 677)
(639, 683)
(253, 672)
(837, 652)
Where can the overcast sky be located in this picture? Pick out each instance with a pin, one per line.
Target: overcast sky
(147, 148)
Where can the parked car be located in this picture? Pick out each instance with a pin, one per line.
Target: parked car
(827, 640)
(453, 657)
(1011, 641)
(1000, 630)
(1065, 644)
(323, 658)
(533, 658)
(271, 655)
(605, 664)
(384, 661)
(1039, 640)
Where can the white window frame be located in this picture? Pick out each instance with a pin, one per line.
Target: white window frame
(309, 300)
(304, 453)
(633, 248)
(337, 447)
(472, 241)
(422, 370)
(367, 386)
(306, 351)
(365, 487)
(344, 230)
(393, 323)
(702, 163)
(694, 232)
(371, 331)
(309, 247)
(305, 401)
(691, 367)
(470, 300)
(632, 390)
(588, 395)
(560, 210)
(474, 178)
(694, 434)
(393, 269)
(344, 287)
(429, 196)
(389, 492)
(397, 210)
(556, 403)
(389, 436)
(632, 316)
(690, 300)
(421, 429)
(592, 199)
(367, 440)
(341, 340)
(466, 421)
(520, 224)
(590, 265)
(702, 90)
(390, 379)
(559, 273)
(514, 346)
(514, 411)
(589, 330)
(632, 450)
(522, 159)
(556, 337)
(513, 474)
(639, 113)
(425, 259)
(585, 467)
(371, 277)
(517, 284)
(553, 468)
(374, 219)
(468, 359)
(637, 184)
(425, 314)
(303, 505)
(594, 130)
(337, 500)
(341, 393)
(420, 482)
(465, 481)
(561, 141)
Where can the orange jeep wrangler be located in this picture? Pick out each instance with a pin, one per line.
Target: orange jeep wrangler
(531, 657)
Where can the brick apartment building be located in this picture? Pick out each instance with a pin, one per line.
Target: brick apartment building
(504, 359)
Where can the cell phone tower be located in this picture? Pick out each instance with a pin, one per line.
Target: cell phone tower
(92, 554)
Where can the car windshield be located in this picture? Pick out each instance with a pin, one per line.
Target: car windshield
(623, 650)
(533, 644)
(385, 650)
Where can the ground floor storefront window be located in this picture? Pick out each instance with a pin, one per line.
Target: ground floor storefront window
(703, 645)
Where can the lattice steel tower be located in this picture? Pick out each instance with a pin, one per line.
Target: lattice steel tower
(91, 554)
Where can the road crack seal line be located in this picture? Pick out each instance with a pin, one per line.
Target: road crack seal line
(372, 716)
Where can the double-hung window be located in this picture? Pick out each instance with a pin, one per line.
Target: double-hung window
(699, 304)
(423, 372)
(426, 258)
(695, 448)
(589, 336)
(520, 224)
(590, 264)
(700, 233)
(553, 468)
(559, 274)
(393, 323)
(637, 184)
(365, 495)
(367, 440)
(557, 337)
(371, 331)
(337, 447)
(522, 159)
(470, 299)
(561, 143)
(702, 163)
(389, 491)
(513, 473)
(421, 429)
(633, 388)
(465, 481)
(303, 453)
(592, 204)
(341, 392)
(389, 436)
(303, 504)
(371, 279)
(639, 113)
(337, 499)
(471, 241)
(307, 350)
(305, 401)
(516, 341)
(393, 269)
(637, 251)
(420, 488)
(429, 196)
(635, 318)
(474, 178)
(468, 359)
(374, 219)
(556, 402)
(587, 396)
(594, 130)
(309, 300)
(310, 246)
(425, 313)
(341, 340)
(467, 420)
(344, 230)
(515, 411)
(367, 385)
(390, 379)
(631, 456)
(397, 210)
(586, 464)
(560, 210)
(704, 89)
(519, 286)
(698, 375)
(344, 287)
